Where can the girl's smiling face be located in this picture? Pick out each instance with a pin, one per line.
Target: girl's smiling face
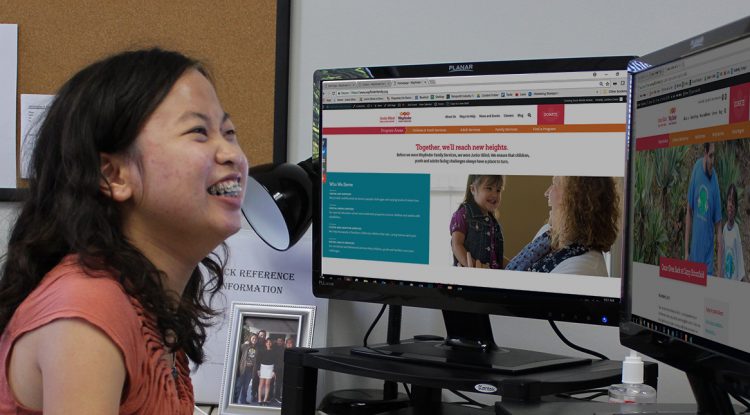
(486, 195)
(188, 172)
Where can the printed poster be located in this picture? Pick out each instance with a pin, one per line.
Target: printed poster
(257, 273)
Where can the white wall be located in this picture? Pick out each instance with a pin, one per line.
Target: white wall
(8, 212)
(345, 33)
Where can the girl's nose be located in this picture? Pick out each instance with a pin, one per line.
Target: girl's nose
(230, 153)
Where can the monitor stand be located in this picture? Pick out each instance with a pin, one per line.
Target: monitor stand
(711, 398)
(470, 345)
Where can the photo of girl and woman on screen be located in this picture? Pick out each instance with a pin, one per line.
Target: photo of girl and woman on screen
(692, 203)
(559, 224)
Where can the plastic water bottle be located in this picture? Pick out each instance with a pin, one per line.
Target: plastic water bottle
(632, 389)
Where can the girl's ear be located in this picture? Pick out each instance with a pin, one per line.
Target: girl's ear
(116, 177)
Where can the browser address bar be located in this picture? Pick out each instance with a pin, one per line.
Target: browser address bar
(531, 86)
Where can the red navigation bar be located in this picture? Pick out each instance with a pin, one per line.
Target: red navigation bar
(479, 129)
(698, 136)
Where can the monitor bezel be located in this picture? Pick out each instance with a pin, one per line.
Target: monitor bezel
(559, 307)
(701, 359)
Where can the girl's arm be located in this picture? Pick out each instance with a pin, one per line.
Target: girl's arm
(82, 370)
(457, 246)
(464, 256)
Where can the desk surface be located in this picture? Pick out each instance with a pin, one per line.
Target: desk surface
(595, 408)
(521, 394)
(569, 407)
(527, 387)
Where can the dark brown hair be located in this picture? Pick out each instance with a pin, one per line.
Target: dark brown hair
(101, 109)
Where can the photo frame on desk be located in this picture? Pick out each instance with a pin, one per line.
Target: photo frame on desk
(254, 360)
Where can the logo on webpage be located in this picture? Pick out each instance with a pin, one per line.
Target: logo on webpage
(670, 119)
(466, 67)
(672, 116)
(404, 116)
(387, 119)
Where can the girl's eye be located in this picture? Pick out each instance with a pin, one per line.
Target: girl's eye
(199, 130)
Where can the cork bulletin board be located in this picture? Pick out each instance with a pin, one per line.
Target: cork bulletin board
(244, 44)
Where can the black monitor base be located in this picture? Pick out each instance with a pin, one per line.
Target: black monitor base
(469, 347)
(470, 344)
(499, 360)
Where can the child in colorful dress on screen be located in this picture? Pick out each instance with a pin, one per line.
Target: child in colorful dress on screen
(734, 265)
(476, 234)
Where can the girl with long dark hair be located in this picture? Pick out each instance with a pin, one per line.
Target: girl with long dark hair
(136, 178)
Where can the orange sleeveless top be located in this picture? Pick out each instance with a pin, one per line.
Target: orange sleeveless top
(67, 291)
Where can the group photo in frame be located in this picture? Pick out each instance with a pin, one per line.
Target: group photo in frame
(254, 361)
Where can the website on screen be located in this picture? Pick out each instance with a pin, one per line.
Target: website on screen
(691, 210)
(459, 181)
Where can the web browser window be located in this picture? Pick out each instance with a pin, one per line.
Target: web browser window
(691, 210)
(397, 157)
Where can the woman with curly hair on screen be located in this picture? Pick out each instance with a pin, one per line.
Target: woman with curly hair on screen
(583, 223)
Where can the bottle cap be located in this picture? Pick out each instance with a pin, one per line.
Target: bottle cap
(632, 368)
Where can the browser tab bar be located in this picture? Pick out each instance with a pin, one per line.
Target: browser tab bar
(465, 89)
(409, 82)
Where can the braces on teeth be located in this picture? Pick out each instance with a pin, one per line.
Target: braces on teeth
(225, 188)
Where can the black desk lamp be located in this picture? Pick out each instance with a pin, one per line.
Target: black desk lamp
(278, 202)
(278, 206)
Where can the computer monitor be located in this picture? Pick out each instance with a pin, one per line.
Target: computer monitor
(686, 291)
(411, 160)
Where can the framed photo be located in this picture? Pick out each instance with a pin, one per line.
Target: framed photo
(254, 360)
